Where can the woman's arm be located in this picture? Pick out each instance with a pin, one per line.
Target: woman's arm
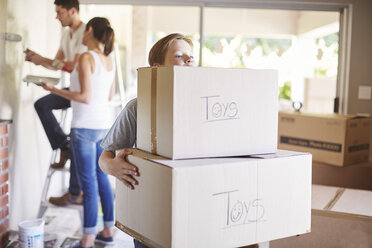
(118, 167)
(85, 69)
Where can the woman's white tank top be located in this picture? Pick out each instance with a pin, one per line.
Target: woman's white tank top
(97, 114)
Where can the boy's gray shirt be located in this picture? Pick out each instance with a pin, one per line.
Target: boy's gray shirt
(123, 132)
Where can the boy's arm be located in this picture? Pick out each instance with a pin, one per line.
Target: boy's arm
(118, 167)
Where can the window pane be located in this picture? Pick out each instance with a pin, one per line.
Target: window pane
(176, 19)
(301, 45)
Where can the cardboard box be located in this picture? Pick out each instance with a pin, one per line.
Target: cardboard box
(333, 139)
(340, 218)
(216, 202)
(356, 177)
(192, 112)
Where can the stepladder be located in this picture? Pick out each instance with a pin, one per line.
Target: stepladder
(51, 171)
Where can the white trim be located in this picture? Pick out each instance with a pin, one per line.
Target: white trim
(291, 5)
(201, 33)
(347, 58)
(344, 59)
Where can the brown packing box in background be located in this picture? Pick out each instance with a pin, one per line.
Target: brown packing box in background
(331, 138)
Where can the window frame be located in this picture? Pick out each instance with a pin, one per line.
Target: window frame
(344, 9)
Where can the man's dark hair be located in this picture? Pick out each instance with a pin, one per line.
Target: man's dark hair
(68, 4)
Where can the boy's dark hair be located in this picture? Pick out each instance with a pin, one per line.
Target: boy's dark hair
(103, 32)
(68, 4)
(158, 51)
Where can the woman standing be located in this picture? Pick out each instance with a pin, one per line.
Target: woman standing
(92, 86)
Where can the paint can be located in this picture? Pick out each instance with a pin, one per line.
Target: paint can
(31, 233)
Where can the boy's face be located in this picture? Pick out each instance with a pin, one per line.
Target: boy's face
(64, 15)
(179, 53)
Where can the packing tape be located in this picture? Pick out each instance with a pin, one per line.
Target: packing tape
(154, 71)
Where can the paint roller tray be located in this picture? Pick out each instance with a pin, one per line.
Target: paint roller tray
(37, 79)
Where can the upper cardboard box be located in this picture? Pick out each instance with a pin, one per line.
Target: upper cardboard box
(191, 112)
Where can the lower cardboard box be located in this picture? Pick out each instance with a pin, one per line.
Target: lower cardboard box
(216, 202)
(341, 218)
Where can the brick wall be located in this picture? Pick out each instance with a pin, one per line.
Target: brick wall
(4, 197)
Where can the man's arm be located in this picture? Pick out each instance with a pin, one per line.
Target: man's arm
(118, 167)
(57, 63)
(37, 59)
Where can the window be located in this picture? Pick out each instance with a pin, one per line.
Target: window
(304, 46)
(286, 40)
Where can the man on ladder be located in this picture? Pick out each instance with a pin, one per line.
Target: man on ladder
(66, 58)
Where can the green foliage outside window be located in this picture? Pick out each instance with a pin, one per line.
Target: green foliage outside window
(285, 91)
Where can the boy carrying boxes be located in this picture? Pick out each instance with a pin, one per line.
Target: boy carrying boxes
(205, 202)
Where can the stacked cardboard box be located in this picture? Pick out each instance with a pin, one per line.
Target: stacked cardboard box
(331, 138)
(194, 116)
(191, 112)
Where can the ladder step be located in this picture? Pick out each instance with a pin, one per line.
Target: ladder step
(64, 169)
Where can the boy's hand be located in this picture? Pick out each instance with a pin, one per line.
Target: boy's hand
(123, 170)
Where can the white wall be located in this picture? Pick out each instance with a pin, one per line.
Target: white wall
(252, 21)
(309, 20)
(29, 148)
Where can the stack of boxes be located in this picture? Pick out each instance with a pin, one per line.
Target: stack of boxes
(197, 186)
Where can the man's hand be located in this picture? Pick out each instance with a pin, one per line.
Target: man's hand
(28, 54)
(33, 57)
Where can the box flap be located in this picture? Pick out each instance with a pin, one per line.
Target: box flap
(278, 154)
(187, 163)
(354, 201)
(323, 197)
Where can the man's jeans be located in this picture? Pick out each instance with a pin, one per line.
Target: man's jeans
(85, 144)
(54, 132)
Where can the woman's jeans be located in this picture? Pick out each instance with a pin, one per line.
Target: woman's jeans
(86, 150)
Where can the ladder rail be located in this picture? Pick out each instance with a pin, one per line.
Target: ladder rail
(43, 201)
